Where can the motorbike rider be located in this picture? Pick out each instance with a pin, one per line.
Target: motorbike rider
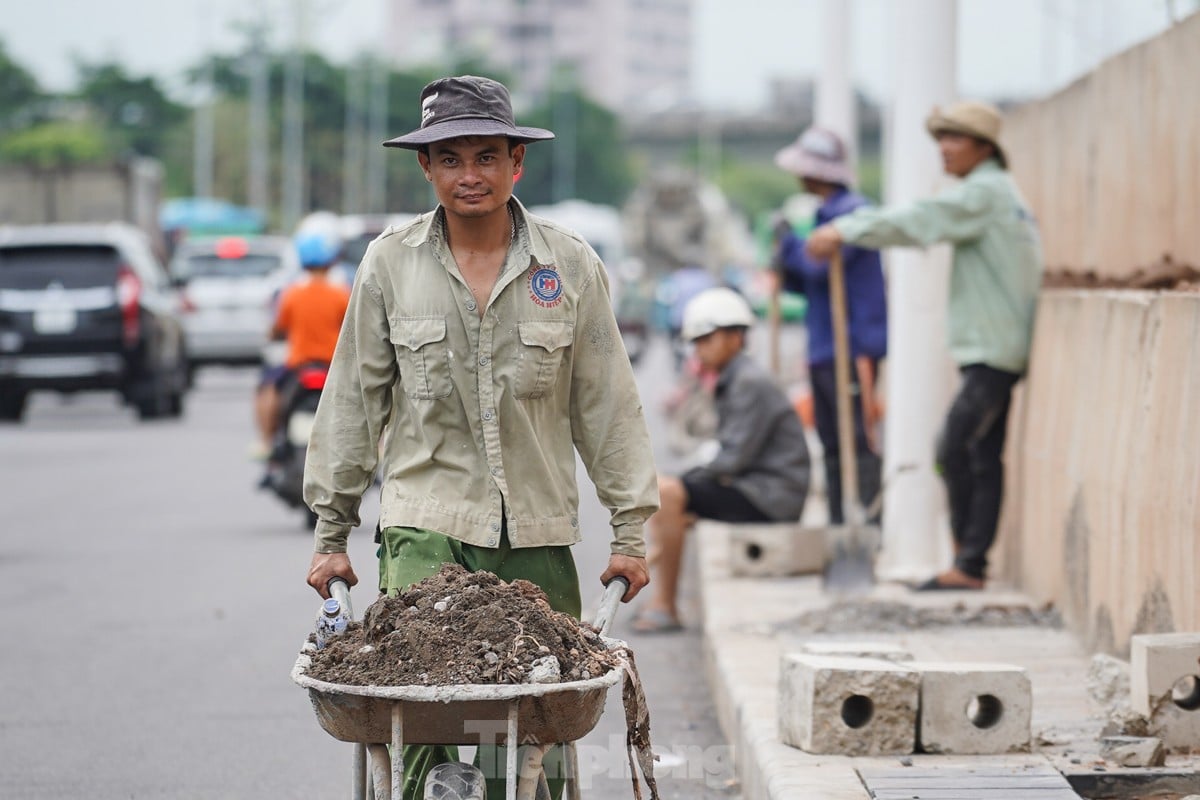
(309, 318)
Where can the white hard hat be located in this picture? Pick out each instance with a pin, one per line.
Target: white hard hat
(713, 309)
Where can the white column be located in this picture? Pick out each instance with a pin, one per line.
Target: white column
(835, 87)
(915, 538)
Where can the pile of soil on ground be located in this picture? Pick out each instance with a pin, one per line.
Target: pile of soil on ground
(459, 627)
(1163, 275)
(874, 616)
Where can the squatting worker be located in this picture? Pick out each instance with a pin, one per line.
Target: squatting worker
(993, 293)
(483, 339)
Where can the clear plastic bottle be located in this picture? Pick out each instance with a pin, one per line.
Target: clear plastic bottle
(331, 621)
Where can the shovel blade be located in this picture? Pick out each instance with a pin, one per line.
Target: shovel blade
(850, 559)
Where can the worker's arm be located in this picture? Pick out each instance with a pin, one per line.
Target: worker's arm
(959, 214)
(632, 569)
(608, 426)
(343, 450)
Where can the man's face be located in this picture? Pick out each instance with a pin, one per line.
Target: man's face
(472, 175)
(716, 349)
(962, 153)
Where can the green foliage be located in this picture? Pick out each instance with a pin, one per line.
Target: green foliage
(136, 111)
(56, 144)
(755, 188)
(589, 145)
(18, 92)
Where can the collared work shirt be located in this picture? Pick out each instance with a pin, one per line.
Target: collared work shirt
(482, 415)
(997, 268)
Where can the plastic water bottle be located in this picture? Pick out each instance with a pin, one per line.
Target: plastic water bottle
(331, 621)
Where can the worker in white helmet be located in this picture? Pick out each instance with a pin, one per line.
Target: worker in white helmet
(759, 474)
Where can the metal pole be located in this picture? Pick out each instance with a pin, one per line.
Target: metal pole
(376, 178)
(259, 145)
(293, 123)
(835, 99)
(915, 540)
(353, 165)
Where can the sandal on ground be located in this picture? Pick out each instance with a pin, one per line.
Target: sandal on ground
(950, 582)
(652, 620)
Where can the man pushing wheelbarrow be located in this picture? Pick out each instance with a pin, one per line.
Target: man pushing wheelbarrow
(483, 338)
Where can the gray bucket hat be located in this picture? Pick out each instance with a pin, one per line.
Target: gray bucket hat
(466, 106)
(820, 154)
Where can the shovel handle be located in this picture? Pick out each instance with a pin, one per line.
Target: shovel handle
(340, 590)
(851, 505)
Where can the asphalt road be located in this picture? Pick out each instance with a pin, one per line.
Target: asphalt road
(156, 601)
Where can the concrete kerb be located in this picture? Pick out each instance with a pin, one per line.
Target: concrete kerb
(745, 635)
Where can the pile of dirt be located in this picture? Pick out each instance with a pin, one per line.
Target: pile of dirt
(459, 627)
(875, 616)
(1163, 275)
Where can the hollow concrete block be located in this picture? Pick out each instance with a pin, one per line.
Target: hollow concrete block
(847, 706)
(768, 550)
(884, 651)
(1164, 685)
(973, 709)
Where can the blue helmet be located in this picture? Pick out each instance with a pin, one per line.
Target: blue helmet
(317, 249)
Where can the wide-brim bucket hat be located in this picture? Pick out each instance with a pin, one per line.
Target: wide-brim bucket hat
(466, 105)
(970, 117)
(817, 154)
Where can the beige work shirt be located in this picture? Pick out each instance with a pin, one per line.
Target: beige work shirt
(482, 415)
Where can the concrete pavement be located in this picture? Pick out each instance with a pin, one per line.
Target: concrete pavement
(750, 622)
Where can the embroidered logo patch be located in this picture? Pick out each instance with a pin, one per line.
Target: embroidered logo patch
(545, 287)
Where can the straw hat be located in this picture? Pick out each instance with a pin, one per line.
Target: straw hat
(981, 120)
(818, 154)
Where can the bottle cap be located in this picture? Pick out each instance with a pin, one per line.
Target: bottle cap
(331, 607)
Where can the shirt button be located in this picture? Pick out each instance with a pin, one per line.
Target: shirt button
(492, 541)
(471, 305)
(495, 470)
(487, 414)
(483, 361)
(495, 527)
(574, 522)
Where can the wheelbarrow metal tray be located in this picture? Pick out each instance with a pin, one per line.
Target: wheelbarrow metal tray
(464, 714)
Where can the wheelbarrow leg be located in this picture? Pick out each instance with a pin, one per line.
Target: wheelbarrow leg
(571, 760)
(360, 772)
(381, 768)
(397, 750)
(510, 779)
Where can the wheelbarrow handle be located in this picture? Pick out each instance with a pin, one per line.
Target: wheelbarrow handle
(614, 590)
(340, 590)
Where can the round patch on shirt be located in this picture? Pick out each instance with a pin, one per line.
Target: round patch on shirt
(545, 287)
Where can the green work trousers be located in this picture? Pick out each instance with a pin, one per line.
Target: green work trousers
(406, 555)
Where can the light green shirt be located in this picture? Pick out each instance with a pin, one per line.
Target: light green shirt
(997, 261)
(482, 416)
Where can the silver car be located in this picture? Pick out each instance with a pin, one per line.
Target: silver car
(230, 286)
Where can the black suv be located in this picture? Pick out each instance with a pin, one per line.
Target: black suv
(88, 307)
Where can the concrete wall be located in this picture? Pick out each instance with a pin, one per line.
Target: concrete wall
(1102, 507)
(1111, 165)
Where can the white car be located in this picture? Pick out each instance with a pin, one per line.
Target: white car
(230, 288)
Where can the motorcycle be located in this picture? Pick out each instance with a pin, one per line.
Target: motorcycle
(300, 395)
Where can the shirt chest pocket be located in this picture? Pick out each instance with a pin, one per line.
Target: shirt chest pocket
(423, 356)
(540, 355)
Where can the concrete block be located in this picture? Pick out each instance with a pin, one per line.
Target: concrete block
(1133, 751)
(973, 709)
(884, 651)
(1164, 685)
(850, 706)
(771, 550)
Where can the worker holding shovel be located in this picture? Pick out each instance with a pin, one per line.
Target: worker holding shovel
(819, 161)
(996, 273)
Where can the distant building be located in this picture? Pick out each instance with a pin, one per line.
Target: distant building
(633, 56)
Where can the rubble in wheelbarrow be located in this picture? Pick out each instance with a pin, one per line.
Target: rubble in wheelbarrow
(460, 627)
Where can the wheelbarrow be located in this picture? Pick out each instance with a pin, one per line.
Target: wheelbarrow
(535, 716)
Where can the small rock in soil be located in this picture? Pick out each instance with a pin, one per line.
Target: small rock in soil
(459, 627)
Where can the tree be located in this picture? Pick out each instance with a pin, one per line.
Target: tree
(56, 145)
(19, 93)
(590, 138)
(136, 110)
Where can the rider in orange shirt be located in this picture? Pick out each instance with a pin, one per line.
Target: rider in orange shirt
(309, 317)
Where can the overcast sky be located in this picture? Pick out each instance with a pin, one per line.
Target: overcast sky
(1007, 48)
